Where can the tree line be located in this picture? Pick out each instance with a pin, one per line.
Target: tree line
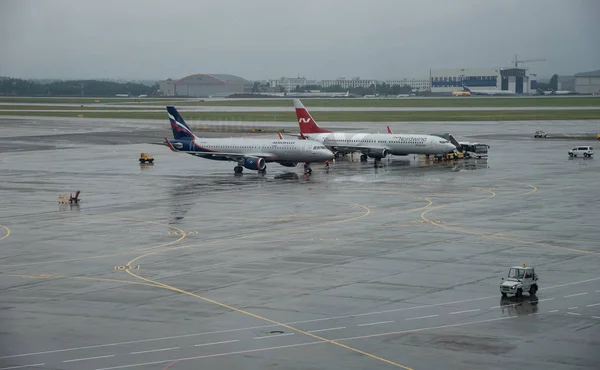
(19, 87)
(374, 89)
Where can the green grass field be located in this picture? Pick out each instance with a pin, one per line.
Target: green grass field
(50, 100)
(75, 108)
(401, 116)
(587, 101)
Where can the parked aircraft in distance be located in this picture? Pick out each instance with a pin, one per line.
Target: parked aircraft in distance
(488, 92)
(460, 93)
(376, 146)
(250, 153)
(555, 92)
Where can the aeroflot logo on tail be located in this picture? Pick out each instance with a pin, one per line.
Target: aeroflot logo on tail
(303, 120)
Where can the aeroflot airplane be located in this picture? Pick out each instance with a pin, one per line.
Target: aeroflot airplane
(252, 154)
(376, 146)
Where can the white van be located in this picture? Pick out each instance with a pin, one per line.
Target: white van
(586, 151)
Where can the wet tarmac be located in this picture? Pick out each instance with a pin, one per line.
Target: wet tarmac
(183, 265)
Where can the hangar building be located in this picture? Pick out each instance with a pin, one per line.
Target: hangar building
(587, 82)
(205, 85)
(511, 79)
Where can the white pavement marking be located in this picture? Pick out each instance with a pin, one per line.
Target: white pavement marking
(575, 295)
(210, 344)
(572, 308)
(457, 312)
(553, 311)
(375, 323)
(425, 329)
(421, 317)
(596, 317)
(573, 313)
(274, 336)
(21, 366)
(288, 323)
(319, 330)
(491, 308)
(306, 344)
(155, 350)
(545, 299)
(592, 305)
(89, 358)
(213, 355)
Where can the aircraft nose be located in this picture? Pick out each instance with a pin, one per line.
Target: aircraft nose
(327, 154)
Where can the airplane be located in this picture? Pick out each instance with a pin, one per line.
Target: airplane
(253, 154)
(488, 92)
(376, 146)
(555, 92)
(460, 93)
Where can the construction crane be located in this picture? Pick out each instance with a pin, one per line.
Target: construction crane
(516, 61)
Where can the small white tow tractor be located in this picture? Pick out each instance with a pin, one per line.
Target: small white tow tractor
(520, 279)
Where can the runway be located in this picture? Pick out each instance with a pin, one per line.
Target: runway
(182, 265)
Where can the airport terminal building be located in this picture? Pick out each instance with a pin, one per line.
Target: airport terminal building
(516, 80)
(205, 85)
(587, 82)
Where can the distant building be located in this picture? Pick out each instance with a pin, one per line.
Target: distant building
(587, 82)
(566, 83)
(205, 85)
(290, 84)
(348, 84)
(417, 84)
(508, 79)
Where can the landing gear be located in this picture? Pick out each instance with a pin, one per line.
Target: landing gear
(377, 163)
(238, 169)
(363, 158)
(307, 169)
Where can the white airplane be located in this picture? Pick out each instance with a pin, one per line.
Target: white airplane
(488, 92)
(555, 92)
(253, 154)
(376, 146)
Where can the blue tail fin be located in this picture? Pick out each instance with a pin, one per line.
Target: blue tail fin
(178, 125)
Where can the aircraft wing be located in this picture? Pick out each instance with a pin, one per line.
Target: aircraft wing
(363, 149)
(222, 155)
(231, 156)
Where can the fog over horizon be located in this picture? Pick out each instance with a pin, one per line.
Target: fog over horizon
(316, 39)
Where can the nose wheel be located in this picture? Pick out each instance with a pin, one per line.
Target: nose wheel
(238, 169)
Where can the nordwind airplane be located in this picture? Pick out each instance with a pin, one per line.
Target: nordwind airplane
(253, 154)
(376, 146)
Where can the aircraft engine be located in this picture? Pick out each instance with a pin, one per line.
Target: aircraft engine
(254, 163)
(288, 164)
(378, 153)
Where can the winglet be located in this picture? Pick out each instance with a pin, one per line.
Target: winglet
(170, 145)
(280, 136)
(302, 136)
(389, 130)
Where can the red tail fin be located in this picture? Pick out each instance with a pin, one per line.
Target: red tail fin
(305, 121)
(389, 130)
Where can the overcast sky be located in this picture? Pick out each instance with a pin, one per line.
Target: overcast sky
(322, 39)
